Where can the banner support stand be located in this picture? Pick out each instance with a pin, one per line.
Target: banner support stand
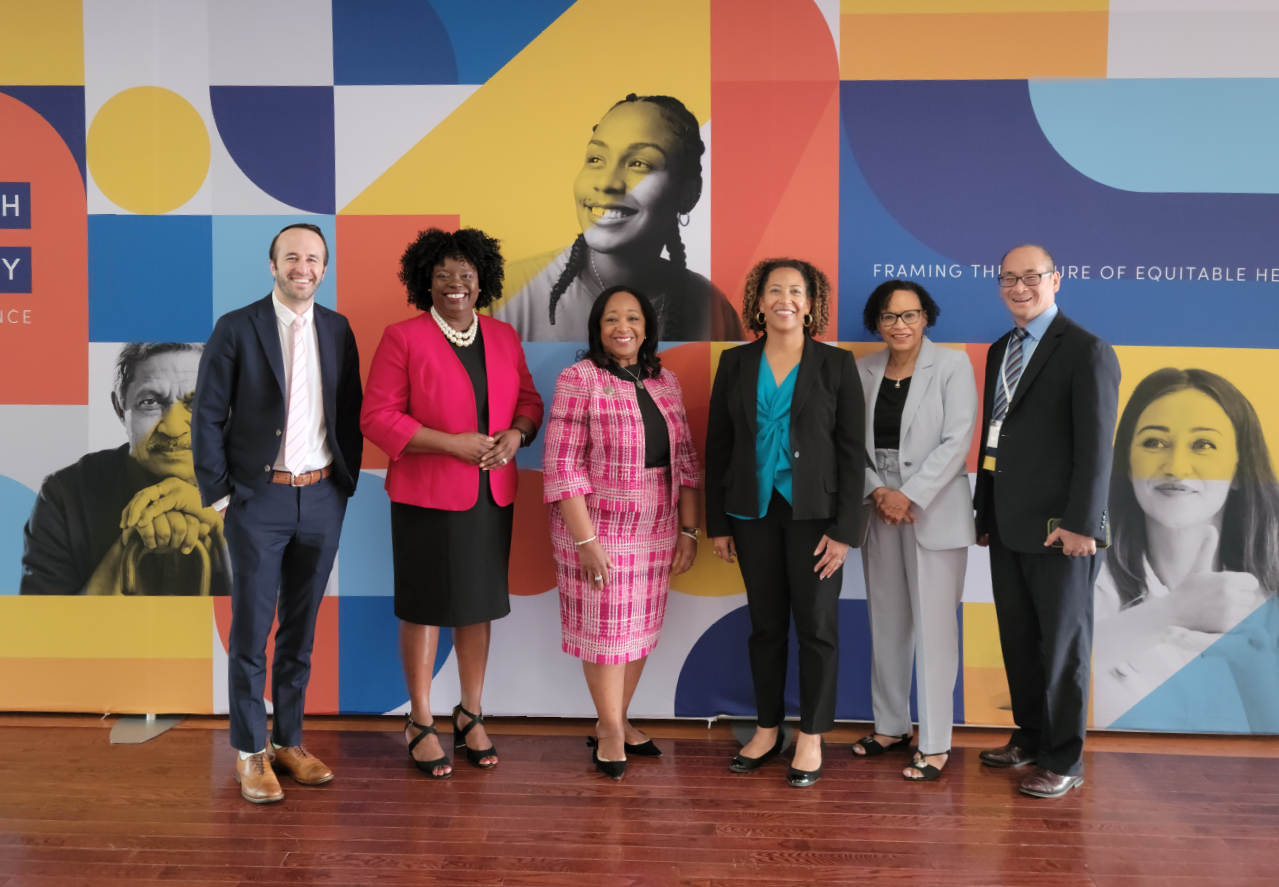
(133, 729)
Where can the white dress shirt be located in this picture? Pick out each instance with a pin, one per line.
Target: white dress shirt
(315, 453)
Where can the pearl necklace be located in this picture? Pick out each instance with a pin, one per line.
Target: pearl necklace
(462, 339)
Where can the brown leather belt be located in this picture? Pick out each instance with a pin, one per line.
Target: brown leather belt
(304, 479)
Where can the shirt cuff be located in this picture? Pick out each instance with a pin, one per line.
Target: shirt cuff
(221, 503)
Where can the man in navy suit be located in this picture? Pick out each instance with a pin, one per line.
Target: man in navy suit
(276, 436)
(1052, 398)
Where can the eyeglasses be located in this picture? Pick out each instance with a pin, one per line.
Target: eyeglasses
(1007, 281)
(910, 317)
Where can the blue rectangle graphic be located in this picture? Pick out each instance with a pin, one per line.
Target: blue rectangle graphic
(15, 204)
(15, 269)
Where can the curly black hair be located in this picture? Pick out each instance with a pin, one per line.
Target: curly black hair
(883, 294)
(434, 245)
(687, 164)
(650, 364)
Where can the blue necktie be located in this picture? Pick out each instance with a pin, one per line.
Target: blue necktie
(1012, 373)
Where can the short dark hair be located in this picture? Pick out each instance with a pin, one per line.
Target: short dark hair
(881, 295)
(134, 354)
(815, 284)
(434, 245)
(1042, 249)
(305, 226)
(650, 364)
(1250, 525)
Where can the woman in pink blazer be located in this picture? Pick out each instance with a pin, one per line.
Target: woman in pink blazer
(449, 399)
(620, 474)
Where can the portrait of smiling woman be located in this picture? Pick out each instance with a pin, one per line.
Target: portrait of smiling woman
(640, 179)
(1195, 513)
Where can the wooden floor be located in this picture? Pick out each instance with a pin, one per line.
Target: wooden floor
(76, 810)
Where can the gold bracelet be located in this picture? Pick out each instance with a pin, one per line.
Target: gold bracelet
(584, 541)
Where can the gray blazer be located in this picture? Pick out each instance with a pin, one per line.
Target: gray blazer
(937, 432)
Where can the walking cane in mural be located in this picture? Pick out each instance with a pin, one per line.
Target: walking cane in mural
(129, 521)
(786, 475)
(277, 445)
(620, 478)
(450, 400)
(641, 178)
(1195, 510)
(921, 406)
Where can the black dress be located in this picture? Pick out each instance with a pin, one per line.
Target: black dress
(451, 566)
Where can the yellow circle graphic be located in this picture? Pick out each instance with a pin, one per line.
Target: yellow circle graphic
(148, 150)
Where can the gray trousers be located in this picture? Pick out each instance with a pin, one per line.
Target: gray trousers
(911, 597)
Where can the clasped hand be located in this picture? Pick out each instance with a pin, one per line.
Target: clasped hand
(487, 452)
(892, 506)
(169, 515)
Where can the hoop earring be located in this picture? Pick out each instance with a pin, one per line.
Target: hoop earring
(759, 318)
(808, 320)
(683, 219)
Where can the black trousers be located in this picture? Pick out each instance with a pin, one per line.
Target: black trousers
(777, 560)
(282, 543)
(1044, 603)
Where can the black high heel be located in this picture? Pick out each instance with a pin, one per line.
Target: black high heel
(646, 749)
(427, 767)
(473, 757)
(611, 769)
(743, 764)
(804, 778)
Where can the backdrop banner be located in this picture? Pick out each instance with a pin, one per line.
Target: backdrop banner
(151, 152)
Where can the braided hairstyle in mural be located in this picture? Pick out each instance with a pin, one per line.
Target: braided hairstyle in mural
(685, 164)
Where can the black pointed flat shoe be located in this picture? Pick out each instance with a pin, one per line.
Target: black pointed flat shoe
(646, 749)
(743, 764)
(802, 778)
(611, 769)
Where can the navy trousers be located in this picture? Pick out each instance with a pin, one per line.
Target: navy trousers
(282, 542)
(1044, 603)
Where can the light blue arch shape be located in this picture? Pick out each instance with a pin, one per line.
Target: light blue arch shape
(1168, 135)
(16, 500)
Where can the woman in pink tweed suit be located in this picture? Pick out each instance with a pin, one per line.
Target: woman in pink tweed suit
(620, 477)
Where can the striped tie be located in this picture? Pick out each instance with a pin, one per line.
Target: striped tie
(295, 441)
(1012, 373)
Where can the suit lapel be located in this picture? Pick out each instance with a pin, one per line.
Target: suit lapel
(267, 326)
(752, 355)
(810, 364)
(920, 379)
(874, 372)
(328, 361)
(1043, 351)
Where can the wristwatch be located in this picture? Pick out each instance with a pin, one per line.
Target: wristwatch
(691, 532)
(523, 437)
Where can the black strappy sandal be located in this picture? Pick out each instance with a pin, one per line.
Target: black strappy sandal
(928, 773)
(427, 767)
(873, 749)
(473, 757)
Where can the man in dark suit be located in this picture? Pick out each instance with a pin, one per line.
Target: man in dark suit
(276, 434)
(1048, 423)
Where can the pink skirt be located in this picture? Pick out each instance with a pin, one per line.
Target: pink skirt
(621, 622)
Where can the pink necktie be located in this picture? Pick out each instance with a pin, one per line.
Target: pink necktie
(296, 427)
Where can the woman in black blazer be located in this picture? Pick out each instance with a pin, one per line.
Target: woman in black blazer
(785, 477)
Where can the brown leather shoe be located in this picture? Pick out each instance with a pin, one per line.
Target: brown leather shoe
(1047, 784)
(257, 783)
(298, 763)
(1007, 756)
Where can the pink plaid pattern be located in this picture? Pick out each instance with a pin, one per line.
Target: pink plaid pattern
(595, 448)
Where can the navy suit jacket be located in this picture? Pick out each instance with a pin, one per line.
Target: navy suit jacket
(1057, 441)
(239, 413)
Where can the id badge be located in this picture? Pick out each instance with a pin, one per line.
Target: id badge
(992, 436)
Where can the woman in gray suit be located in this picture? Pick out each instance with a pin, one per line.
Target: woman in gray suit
(921, 406)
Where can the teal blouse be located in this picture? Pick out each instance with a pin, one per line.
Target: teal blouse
(772, 440)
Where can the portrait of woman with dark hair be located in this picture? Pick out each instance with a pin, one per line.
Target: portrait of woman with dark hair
(641, 178)
(1194, 511)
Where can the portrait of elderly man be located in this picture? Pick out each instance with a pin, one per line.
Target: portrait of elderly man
(129, 520)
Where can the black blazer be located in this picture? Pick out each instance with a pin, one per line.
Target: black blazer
(239, 412)
(1056, 444)
(827, 438)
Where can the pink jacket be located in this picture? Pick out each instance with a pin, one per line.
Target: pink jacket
(417, 381)
(595, 439)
